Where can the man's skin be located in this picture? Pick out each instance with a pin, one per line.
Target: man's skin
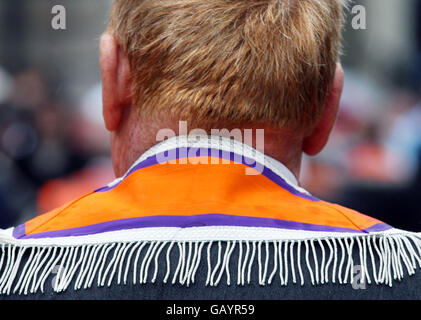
(132, 135)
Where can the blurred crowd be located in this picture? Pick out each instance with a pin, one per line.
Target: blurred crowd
(52, 148)
(373, 161)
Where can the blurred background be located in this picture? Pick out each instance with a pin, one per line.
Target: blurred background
(54, 148)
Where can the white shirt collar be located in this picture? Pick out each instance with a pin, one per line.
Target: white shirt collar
(223, 144)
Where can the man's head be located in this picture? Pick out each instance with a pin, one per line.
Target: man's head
(221, 64)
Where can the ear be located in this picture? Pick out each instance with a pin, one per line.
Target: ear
(116, 84)
(318, 139)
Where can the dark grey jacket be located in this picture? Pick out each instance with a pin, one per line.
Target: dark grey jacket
(406, 288)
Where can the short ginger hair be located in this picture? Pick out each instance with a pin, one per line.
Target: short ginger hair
(211, 62)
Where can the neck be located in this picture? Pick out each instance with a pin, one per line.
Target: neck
(136, 137)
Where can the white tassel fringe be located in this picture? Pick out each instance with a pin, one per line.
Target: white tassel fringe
(391, 257)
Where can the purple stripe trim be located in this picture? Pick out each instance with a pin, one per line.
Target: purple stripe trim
(19, 231)
(378, 228)
(187, 222)
(181, 153)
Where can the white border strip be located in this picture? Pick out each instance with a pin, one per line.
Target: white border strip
(214, 233)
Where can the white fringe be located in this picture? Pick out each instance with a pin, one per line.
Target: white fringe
(390, 256)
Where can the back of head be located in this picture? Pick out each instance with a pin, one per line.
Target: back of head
(236, 62)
